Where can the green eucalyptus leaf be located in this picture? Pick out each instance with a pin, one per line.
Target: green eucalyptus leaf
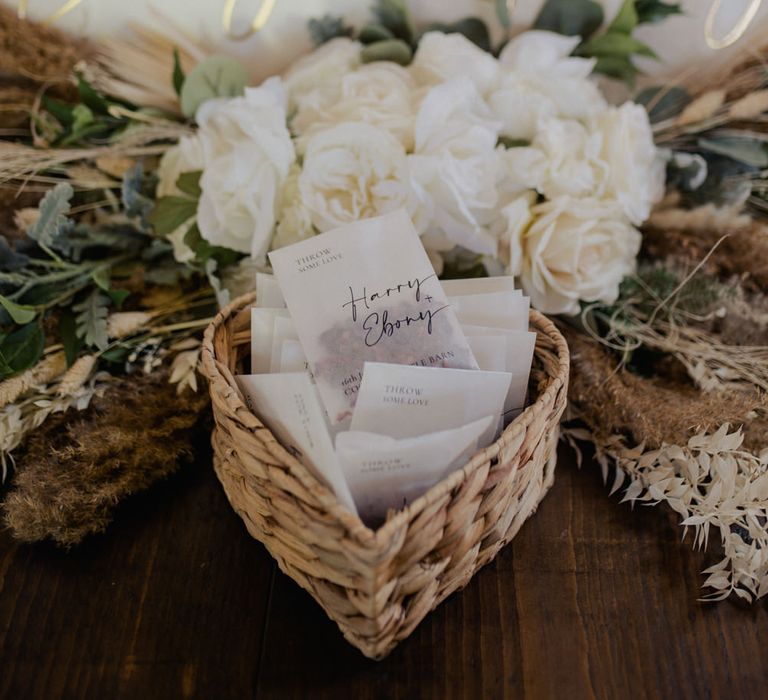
(615, 44)
(68, 335)
(395, 16)
(52, 222)
(395, 50)
(171, 212)
(90, 97)
(189, 183)
(20, 313)
(216, 76)
(508, 142)
(626, 19)
(655, 11)
(101, 276)
(82, 117)
(60, 110)
(371, 33)
(21, 349)
(747, 150)
(570, 17)
(91, 319)
(118, 296)
(10, 260)
(327, 27)
(502, 12)
(662, 101)
(619, 67)
(177, 77)
(205, 251)
(471, 27)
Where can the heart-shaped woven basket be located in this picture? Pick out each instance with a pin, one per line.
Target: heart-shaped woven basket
(378, 585)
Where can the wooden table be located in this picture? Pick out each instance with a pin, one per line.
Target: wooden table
(175, 600)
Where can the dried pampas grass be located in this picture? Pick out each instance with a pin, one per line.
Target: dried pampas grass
(75, 468)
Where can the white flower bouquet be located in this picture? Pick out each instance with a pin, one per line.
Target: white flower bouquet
(513, 161)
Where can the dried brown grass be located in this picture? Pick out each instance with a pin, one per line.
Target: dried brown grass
(655, 410)
(39, 53)
(686, 235)
(76, 468)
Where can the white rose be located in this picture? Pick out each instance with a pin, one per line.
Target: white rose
(441, 57)
(321, 70)
(564, 159)
(509, 227)
(637, 169)
(455, 169)
(248, 152)
(575, 249)
(185, 157)
(539, 80)
(352, 171)
(294, 220)
(379, 93)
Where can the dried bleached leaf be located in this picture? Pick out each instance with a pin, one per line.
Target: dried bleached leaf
(750, 106)
(703, 107)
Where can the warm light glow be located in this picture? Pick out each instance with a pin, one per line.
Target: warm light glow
(736, 33)
(66, 7)
(261, 18)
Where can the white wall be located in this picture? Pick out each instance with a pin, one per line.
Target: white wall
(678, 40)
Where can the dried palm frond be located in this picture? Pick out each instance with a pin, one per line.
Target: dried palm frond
(140, 68)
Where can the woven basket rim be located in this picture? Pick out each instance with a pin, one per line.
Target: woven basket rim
(383, 536)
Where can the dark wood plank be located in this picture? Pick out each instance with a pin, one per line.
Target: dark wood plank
(590, 600)
(170, 602)
(175, 600)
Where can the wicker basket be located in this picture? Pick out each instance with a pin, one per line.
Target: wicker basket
(377, 586)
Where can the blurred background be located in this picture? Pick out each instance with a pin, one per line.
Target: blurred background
(678, 40)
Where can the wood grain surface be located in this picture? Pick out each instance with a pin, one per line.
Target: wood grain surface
(176, 601)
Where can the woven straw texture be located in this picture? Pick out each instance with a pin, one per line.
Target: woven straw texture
(377, 586)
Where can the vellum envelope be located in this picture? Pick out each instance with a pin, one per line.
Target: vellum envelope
(367, 292)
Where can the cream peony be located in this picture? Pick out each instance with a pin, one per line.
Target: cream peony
(539, 79)
(575, 249)
(615, 159)
(248, 152)
(564, 159)
(442, 57)
(637, 169)
(455, 169)
(321, 71)
(294, 220)
(379, 93)
(352, 171)
(185, 157)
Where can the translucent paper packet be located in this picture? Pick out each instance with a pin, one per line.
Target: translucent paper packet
(508, 310)
(283, 330)
(402, 401)
(383, 472)
(289, 406)
(518, 348)
(262, 331)
(367, 292)
(480, 285)
(268, 294)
